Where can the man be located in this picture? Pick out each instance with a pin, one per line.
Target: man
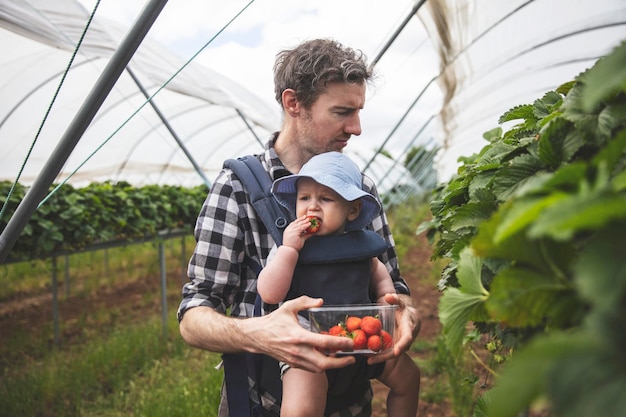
(321, 88)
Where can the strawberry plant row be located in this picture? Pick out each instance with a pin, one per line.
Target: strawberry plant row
(74, 218)
(533, 226)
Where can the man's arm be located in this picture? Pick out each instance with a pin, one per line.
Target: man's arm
(277, 334)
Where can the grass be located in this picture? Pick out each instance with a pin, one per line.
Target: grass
(130, 371)
(88, 271)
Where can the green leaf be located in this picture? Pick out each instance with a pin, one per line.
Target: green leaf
(567, 178)
(470, 215)
(458, 305)
(600, 273)
(455, 310)
(597, 126)
(521, 297)
(494, 154)
(547, 256)
(590, 383)
(482, 404)
(551, 150)
(605, 78)
(618, 183)
(524, 111)
(493, 135)
(613, 153)
(565, 87)
(546, 105)
(579, 213)
(531, 371)
(514, 174)
(469, 270)
(519, 214)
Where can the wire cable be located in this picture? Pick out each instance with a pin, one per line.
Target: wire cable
(145, 103)
(54, 97)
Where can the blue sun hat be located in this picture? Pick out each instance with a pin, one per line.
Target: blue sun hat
(338, 172)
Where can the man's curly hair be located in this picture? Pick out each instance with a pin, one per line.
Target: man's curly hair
(308, 68)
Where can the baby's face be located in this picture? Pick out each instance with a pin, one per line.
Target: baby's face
(314, 199)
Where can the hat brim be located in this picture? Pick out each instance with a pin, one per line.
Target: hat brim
(285, 190)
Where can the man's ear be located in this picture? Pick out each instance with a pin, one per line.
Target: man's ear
(290, 102)
(355, 210)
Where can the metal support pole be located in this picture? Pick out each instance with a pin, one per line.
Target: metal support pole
(163, 287)
(250, 128)
(67, 276)
(55, 303)
(79, 125)
(391, 40)
(170, 129)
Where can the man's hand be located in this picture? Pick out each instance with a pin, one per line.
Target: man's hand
(408, 324)
(279, 335)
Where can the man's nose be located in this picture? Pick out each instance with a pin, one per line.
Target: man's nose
(353, 125)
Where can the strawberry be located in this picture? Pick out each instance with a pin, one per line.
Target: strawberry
(387, 339)
(337, 330)
(371, 325)
(315, 224)
(360, 339)
(353, 323)
(375, 343)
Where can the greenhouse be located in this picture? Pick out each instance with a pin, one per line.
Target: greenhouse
(493, 130)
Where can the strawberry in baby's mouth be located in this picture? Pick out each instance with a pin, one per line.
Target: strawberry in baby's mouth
(315, 224)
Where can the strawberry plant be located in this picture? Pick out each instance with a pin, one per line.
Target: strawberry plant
(533, 226)
(74, 218)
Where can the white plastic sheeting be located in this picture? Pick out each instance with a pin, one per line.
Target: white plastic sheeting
(498, 54)
(494, 55)
(203, 108)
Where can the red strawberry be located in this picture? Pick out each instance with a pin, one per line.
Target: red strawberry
(316, 223)
(371, 325)
(353, 323)
(360, 339)
(375, 343)
(337, 330)
(387, 339)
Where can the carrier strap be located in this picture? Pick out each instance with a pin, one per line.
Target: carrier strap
(239, 366)
(257, 182)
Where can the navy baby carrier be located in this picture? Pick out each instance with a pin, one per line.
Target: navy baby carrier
(261, 369)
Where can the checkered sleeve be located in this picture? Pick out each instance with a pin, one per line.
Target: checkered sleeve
(214, 269)
(390, 257)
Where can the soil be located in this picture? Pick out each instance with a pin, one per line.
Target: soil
(35, 313)
(415, 268)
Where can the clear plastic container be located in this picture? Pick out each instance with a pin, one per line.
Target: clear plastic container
(339, 321)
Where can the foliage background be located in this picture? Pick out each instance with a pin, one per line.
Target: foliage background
(533, 225)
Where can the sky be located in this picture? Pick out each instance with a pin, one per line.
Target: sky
(245, 50)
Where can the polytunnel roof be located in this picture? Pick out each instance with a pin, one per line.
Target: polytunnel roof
(203, 108)
(495, 55)
(460, 66)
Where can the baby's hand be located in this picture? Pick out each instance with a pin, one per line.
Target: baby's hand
(295, 233)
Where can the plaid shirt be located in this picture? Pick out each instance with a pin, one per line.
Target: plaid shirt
(228, 230)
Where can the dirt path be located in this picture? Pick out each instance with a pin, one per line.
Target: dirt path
(415, 267)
